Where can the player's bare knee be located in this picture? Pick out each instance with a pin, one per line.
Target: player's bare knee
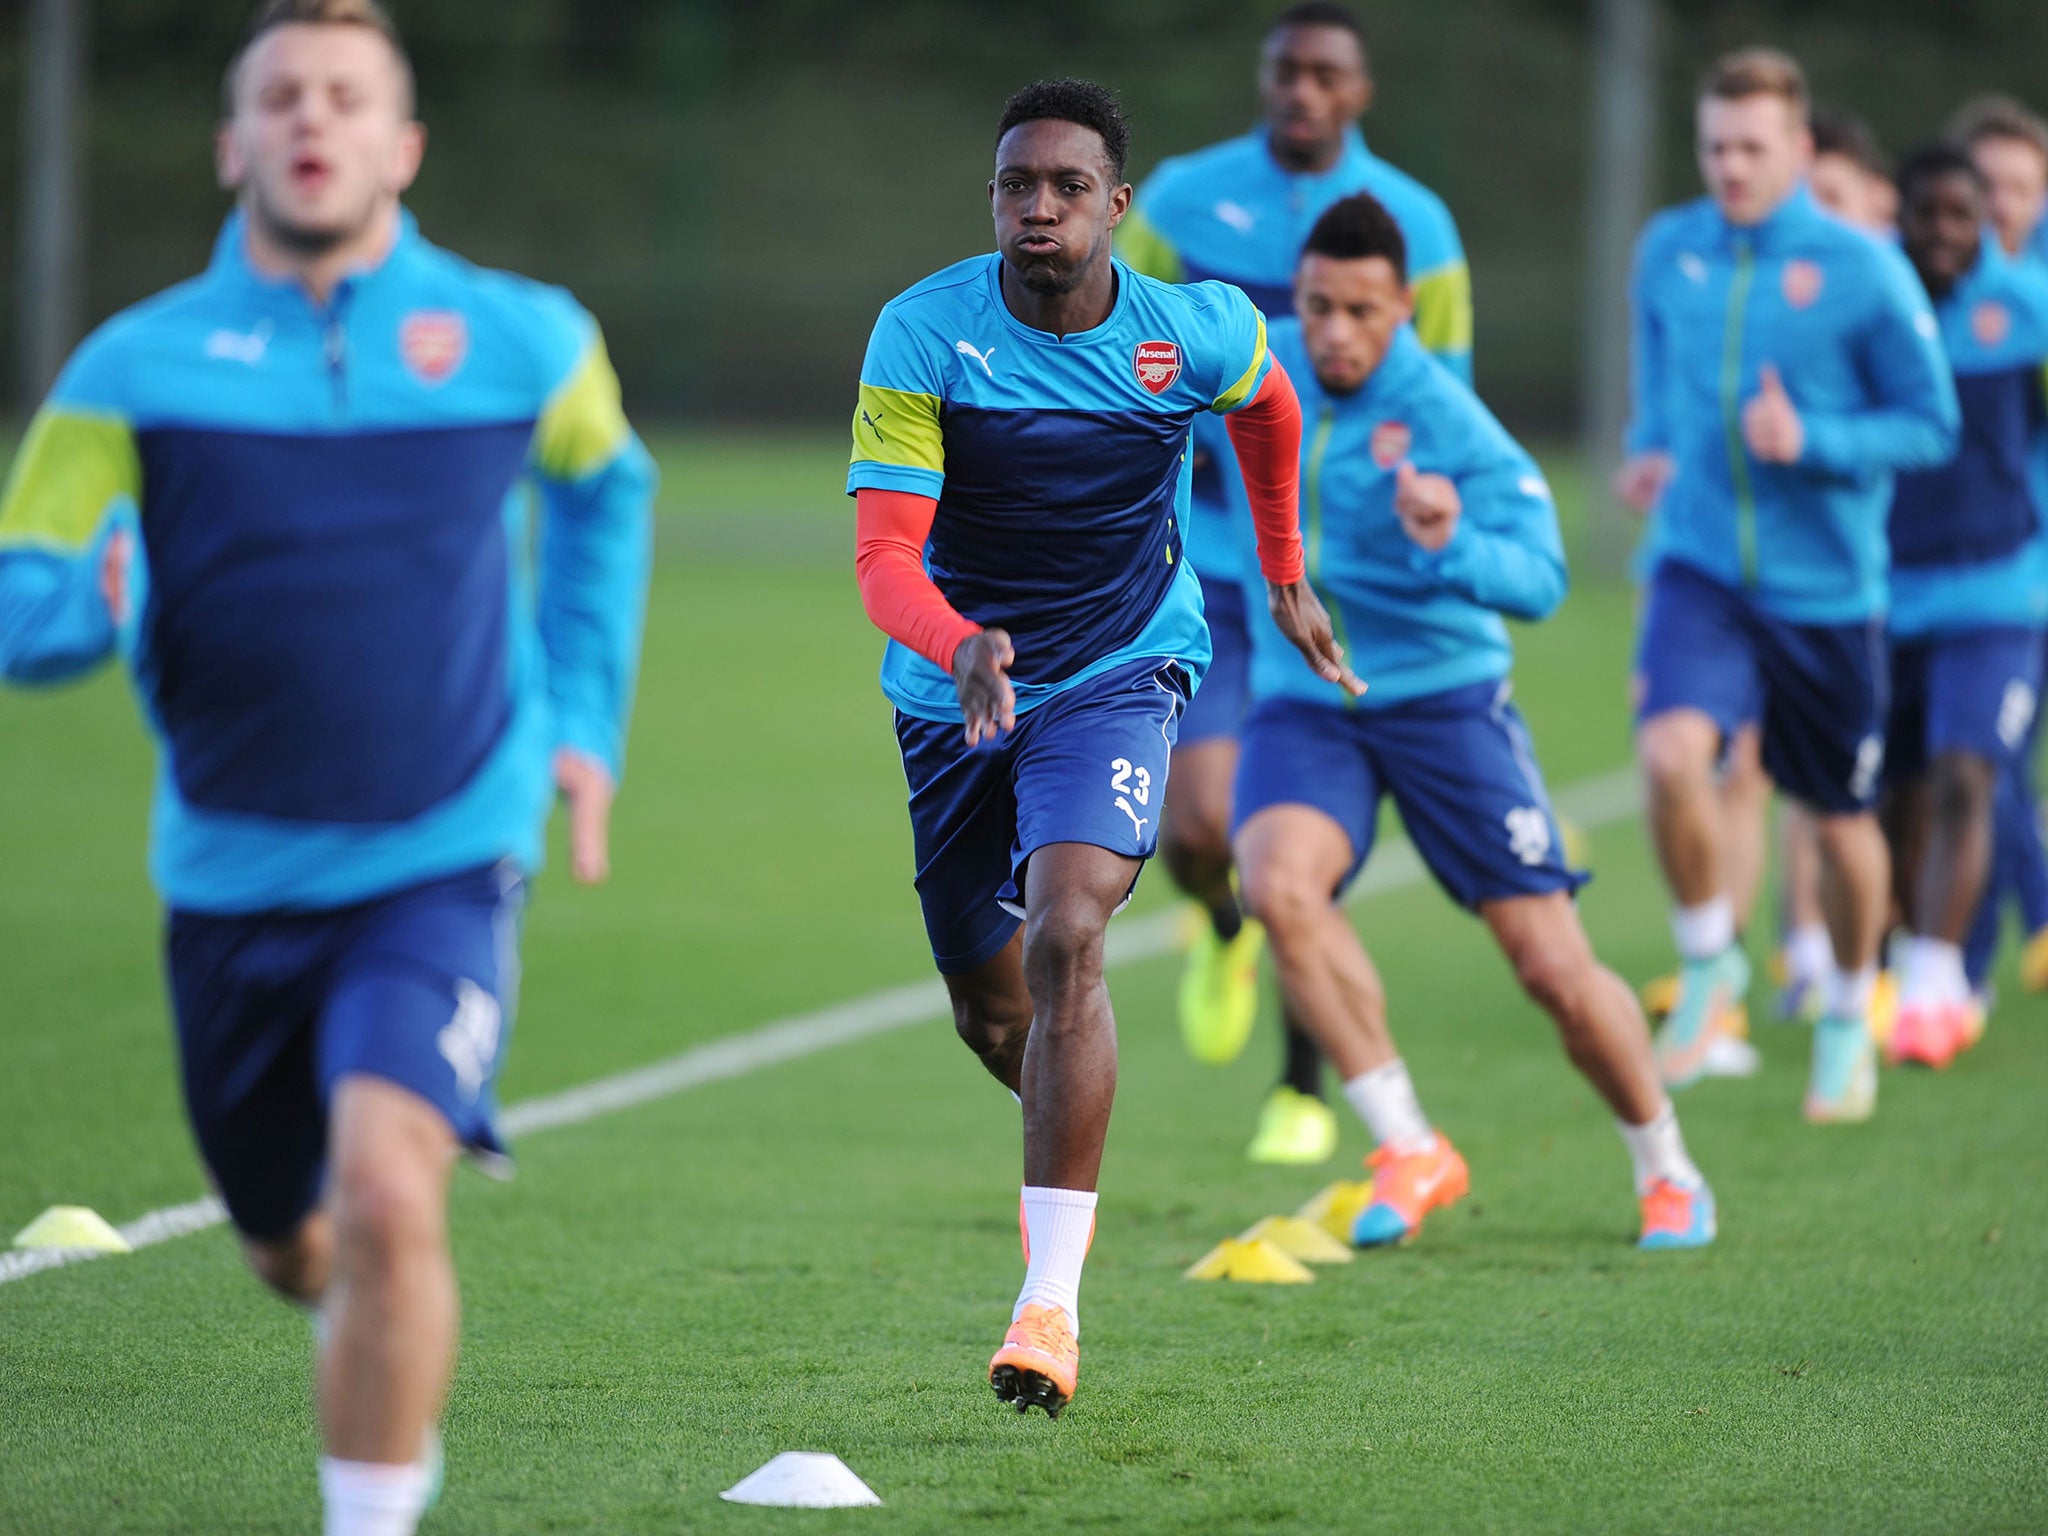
(386, 1208)
(1962, 788)
(1285, 898)
(1676, 756)
(1557, 977)
(989, 1027)
(295, 1266)
(1063, 944)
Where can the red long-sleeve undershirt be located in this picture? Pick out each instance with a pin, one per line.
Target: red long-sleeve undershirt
(891, 527)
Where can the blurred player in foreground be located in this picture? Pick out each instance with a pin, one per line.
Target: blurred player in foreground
(364, 700)
(1020, 472)
(1786, 367)
(1968, 604)
(1426, 523)
(1239, 211)
(2009, 146)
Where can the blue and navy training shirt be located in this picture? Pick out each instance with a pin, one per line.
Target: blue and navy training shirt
(1232, 212)
(356, 676)
(1964, 549)
(1845, 322)
(1059, 465)
(1412, 622)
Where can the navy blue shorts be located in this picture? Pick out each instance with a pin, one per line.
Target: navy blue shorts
(1086, 766)
(1973, 693)
(1819, 691)
(1217, 710)
(273, 1009)
(1461, 769)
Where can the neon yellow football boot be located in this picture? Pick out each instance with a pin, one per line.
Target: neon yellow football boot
(1294, 1129)
(1219, 993)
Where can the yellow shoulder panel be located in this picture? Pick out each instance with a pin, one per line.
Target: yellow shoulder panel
(1235, 396)
(1443, 309)
(71, 467)
(896, 426)
(583, 423)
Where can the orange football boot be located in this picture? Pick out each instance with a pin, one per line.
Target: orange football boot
(1039, 1363)
(1406, 1186)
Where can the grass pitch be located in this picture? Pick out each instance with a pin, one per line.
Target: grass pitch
(821, 1255)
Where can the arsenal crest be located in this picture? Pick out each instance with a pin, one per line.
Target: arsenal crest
(1389, 443)
(433, 343)
(1802, 282)
(1157, 364)
(1990, 323)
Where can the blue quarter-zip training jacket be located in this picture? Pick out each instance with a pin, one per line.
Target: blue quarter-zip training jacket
(1843, 319)
(1412, 623)
(356, 675)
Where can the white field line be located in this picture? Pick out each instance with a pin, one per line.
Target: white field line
(1594, 802)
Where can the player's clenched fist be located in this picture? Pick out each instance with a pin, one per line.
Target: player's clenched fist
(1770, 422)
(1303, 620)
(981, 673)
(1428, 506)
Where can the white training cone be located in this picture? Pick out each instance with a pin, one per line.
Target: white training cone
(803, 1480)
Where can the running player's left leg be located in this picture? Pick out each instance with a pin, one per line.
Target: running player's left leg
(1605, 1035)
(407, 1055)
(1463, 772)
(1977, 699)
(1089, 773)
(1827, 691)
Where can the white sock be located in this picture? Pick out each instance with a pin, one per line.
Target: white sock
(1385, 1101)
(372, 1498)
(1702, 932)
(1057, 1226)
(1934, 972)
(1849, 993)
(1658, 1150)
(1809, 953)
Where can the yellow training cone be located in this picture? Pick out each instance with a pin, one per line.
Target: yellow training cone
(1335, 1207)
(71, 1226)
(1300, 1238)
(1256, 1263)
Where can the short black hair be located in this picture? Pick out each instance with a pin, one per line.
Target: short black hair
(1356, 228)
(1081, 102)
(1847, 135)
(1944, 157)
(1320, 13)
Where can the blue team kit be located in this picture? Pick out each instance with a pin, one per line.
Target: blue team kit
(356, 674)
(1436, 729)
(1060, 470)
(1969, 580)
(1232, 212)
(1769, 580)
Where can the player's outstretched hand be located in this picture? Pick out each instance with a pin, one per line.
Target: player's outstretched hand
(1300, 615)
(586, 784)
(1770, 422)
(1428, 506)
(980, 672)
(1641, 481)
